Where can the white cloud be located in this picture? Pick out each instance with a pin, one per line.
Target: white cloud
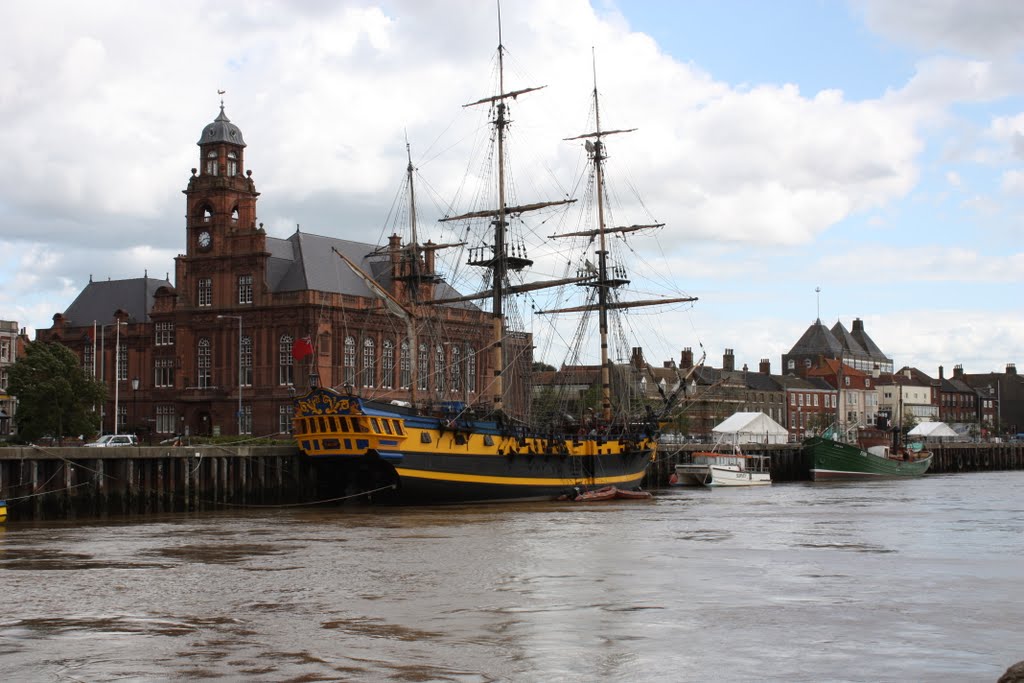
(1013, 182)
(992, 27)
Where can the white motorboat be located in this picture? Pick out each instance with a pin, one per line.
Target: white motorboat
(714, 468)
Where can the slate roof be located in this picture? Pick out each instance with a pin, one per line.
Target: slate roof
(99, 300)
(305, 261)
(221, 130)
(866, 342)
(817, 340)
(850, 345)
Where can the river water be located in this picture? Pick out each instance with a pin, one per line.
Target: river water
(919, 580)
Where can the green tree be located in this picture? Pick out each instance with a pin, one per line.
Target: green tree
(56, 397)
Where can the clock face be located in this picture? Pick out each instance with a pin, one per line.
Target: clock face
(204, 240)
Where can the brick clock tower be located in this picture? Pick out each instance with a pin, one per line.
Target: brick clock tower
(222, 236)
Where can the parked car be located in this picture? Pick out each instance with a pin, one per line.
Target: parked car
(113, 440)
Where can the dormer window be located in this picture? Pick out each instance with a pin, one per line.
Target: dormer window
(232, 164)
(211, 163)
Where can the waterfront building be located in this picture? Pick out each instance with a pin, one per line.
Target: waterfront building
(249, 317)
(1003, 402)
(858, 402)
(911, 390)
(959, 402)
(854, 348)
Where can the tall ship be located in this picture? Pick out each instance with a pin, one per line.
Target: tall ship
(517, 443)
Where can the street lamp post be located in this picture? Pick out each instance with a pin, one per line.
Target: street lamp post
(239, 319)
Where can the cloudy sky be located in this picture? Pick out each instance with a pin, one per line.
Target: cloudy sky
(870, 148)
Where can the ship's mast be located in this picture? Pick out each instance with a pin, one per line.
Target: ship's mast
(499, 262)
(602, 258)
(500, 267)
(603, 281)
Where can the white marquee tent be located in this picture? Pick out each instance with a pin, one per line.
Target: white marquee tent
(933, 430)
(750, 428)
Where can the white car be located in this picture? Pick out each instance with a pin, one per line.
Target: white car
(113, 440)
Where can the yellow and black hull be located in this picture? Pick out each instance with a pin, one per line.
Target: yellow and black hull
(410, 458)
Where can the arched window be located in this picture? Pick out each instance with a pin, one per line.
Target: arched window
(286, 367)
(423, 367)
(234, 215)
(369, 353)
(211, 162)
(246, 362)
(89, 359)
(456, 370)
(232, 164)
(387, 365)
(440, 370)
(405, 363)
(470, 369)
(122, 363)
(350, 361)
(203, 360)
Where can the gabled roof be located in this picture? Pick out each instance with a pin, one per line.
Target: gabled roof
(829, 367)
(99, 300)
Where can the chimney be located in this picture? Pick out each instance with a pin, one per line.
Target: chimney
(728, 361)
(906, 373)
(686, 360)
(940, 373)
(428, 259)
(668, 364)
(637, 359)
(1011, 368)
(876, 372)
(858, 325)
(766, 367)
(958, 371)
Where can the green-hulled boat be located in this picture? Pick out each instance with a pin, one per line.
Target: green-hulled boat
(830, 460)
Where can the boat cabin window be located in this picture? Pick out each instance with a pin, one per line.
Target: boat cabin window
(323, 424)
(387, 426)
(398, 428)
(375, 424)
(342, 424)
(358, 425)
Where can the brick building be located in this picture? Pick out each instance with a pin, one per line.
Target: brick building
(249, 318)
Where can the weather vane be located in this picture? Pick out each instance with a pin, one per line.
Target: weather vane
(221, 93)
(817, 291)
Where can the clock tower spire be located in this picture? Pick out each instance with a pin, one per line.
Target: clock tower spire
(221, 200)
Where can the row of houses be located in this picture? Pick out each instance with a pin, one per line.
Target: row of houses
(832, 377)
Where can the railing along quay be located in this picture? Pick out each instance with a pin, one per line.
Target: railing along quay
(787, 463)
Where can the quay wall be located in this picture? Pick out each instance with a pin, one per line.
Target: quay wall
(787, 463)
(70, 483)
